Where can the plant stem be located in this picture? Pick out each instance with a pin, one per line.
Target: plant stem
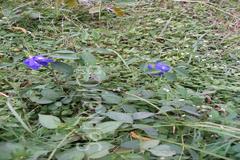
(57, 81)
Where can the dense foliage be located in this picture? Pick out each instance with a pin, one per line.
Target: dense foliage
(119, 80)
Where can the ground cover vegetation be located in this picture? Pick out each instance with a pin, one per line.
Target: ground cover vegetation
(119, 79)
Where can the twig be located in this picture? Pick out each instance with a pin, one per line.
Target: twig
(124, 62)
(142, 99)
(165, 27)
(17, 116)
(3, 94)
(59, 144)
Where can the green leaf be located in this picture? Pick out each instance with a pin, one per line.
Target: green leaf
(42, 100)
(132, 157)
(100, 130)
(36, 151)
(141, 92)
(170, 76)
(99, 75)
(62, 68)
(149, 130)
(49, 121)
(64, 54)
(108, 127)
(142, 115)
(182, 91)
(145, 145)
(190, 109)
(163, 150)
(50, 94)
(111, 98)
(88, 58)
(101, 51)
(97, 150)
(135, 144)
(129, 108)
(181, 71)
(7, 148)
(236, 148)
(121, 117)
(71, 154)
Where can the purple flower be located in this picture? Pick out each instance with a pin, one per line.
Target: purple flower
(36, 62)
(159, 68)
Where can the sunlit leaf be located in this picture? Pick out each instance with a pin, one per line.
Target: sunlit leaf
(118, 11)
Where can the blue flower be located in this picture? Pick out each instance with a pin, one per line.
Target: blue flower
(36, 62)
(159, 68)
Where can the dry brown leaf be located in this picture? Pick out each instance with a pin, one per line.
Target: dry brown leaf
(138, 137)
(19, 29)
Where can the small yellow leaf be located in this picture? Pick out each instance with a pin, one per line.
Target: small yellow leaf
(118, 11)
(71, 3)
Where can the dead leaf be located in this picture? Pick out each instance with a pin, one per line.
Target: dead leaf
(136, 136)
(19, 29)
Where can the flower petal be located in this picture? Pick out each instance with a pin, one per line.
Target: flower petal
(31, 63)
(162, 67)
(150, 67)
(42, 60)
